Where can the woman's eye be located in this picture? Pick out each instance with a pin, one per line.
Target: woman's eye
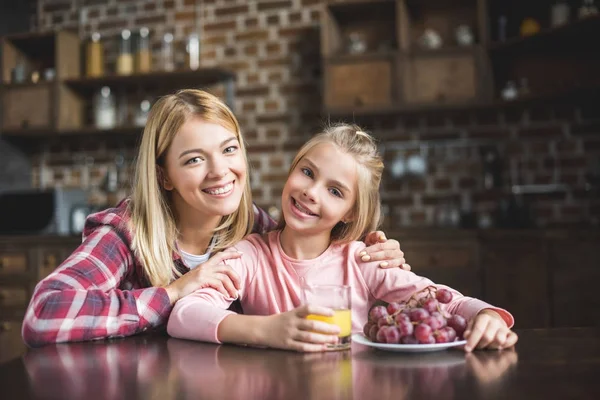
(231, 149)
(306, 171)
(335, 192)
(194, 160)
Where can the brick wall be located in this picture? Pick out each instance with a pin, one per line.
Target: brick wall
(273, 46)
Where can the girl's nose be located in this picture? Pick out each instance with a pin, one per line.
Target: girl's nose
(309, 193)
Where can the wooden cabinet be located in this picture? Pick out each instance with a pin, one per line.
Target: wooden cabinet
(24, 261)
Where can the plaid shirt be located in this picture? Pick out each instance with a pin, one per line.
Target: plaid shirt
(100, 291)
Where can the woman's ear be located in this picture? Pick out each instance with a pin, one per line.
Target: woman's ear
(163, 180)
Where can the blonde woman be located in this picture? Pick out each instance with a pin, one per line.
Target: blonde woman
(191, 199)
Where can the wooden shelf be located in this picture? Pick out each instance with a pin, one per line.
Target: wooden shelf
(444, 51)
(583, 31)
(202, 76)
(367, 56)
(128, 130)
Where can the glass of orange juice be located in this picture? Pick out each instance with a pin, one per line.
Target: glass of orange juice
(338, 298)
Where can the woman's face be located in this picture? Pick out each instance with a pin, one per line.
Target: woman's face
(320, 191)
(205, 169)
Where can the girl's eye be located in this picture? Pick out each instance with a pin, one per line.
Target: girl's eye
(231, 149)
(194, 160)
(335, 192)
(307, 172)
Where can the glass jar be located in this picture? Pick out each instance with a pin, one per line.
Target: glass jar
(193, 51)
(94, 60)
(141, 116)
(125, 58)
(143, 56)
(167, 60)
(105, 112)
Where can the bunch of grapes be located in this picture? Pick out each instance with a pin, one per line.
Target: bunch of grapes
(416, 321)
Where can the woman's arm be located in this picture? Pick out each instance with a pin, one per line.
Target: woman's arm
(80, 300)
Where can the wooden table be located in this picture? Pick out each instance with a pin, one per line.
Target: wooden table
(546, 364)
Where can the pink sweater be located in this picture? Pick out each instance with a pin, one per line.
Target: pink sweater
(271, 282)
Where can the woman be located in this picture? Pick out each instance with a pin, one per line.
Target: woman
(191, 199)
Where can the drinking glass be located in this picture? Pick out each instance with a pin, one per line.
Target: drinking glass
(338, 298)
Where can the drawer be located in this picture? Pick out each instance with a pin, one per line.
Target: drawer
(11, 343)
(13, 296)
(12, 263)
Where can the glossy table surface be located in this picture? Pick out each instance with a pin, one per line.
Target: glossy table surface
(546, 364)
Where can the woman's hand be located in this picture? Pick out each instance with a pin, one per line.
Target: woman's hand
(292, 331)
(385, 250)
(488, 331)
(213, 273)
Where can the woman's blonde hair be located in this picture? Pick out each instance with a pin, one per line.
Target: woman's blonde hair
(366, 212)
(153, 221)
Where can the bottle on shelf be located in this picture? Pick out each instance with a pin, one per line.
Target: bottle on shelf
(105, 111)
(125, 58)
(560, 13)
(193, 51)
(167, 57)
(95, 56)
(143, 56)
(588, 7)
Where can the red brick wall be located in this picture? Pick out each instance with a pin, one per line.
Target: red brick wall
(273, 46)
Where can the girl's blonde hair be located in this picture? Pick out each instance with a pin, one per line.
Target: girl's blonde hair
(366, 212)
(153, 223)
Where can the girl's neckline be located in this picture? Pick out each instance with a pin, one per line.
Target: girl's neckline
(304, 263)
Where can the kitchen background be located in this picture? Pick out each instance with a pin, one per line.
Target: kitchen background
(469, 166)
(486, 111)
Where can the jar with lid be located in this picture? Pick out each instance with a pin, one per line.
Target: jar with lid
(125, 58)
(94, 60)
(193, 51)
(143, 56)
(105, 112)
(167, 57)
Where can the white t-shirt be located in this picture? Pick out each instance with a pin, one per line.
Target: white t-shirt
(193, 260)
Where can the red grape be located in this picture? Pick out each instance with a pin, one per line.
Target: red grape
(405, 328)
(393, 308)
(433, 322)
(367, 328)
(422, 332)
(444, 296)
(429, 340)
(430, 305)
(373, 333)
(377, 313)
(440, 318)
(392, 335)
(418, 314)
(409, 340)
(442, 336)
(401, 318)
(458, 323)
(385, 321)
(451, 333)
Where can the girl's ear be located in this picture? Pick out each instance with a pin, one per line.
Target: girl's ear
(349, 217)
(163, 180)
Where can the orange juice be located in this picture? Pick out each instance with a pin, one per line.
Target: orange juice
(341, 318)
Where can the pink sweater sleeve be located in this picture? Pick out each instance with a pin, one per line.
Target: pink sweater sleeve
(197, 316)
(395, 284)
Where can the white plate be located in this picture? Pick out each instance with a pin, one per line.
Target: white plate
(406, 348)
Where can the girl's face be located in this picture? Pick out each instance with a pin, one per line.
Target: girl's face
(320, 191)
(205, 169)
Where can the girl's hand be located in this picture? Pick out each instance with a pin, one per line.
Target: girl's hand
(385, 250)
(292, 331)
(488, 331)
(213, 273)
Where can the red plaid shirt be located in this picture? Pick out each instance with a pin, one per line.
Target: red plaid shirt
(100, 291)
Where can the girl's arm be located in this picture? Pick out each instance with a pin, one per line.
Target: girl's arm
(80, 300)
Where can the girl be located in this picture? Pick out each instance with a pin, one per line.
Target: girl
(330, 198)
(191, 198)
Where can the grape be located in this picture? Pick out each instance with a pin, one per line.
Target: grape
(444, 296)
(433, 322)
(381, 334)
(429, 340)
(393, 308)
(422, 332)
(392, 335)
(430, 305)
(442, 336)
(458, 323)
(406, 328)
(385, 321)
(418, 314)
(451, 333)
(377, 312)
(373, 333)
(367, 328)
(400, 318)
(440, 318)
(409, 340)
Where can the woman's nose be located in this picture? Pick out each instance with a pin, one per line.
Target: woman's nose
(218, 167)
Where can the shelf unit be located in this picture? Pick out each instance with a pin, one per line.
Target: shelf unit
(63, 104)
(401, 77)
